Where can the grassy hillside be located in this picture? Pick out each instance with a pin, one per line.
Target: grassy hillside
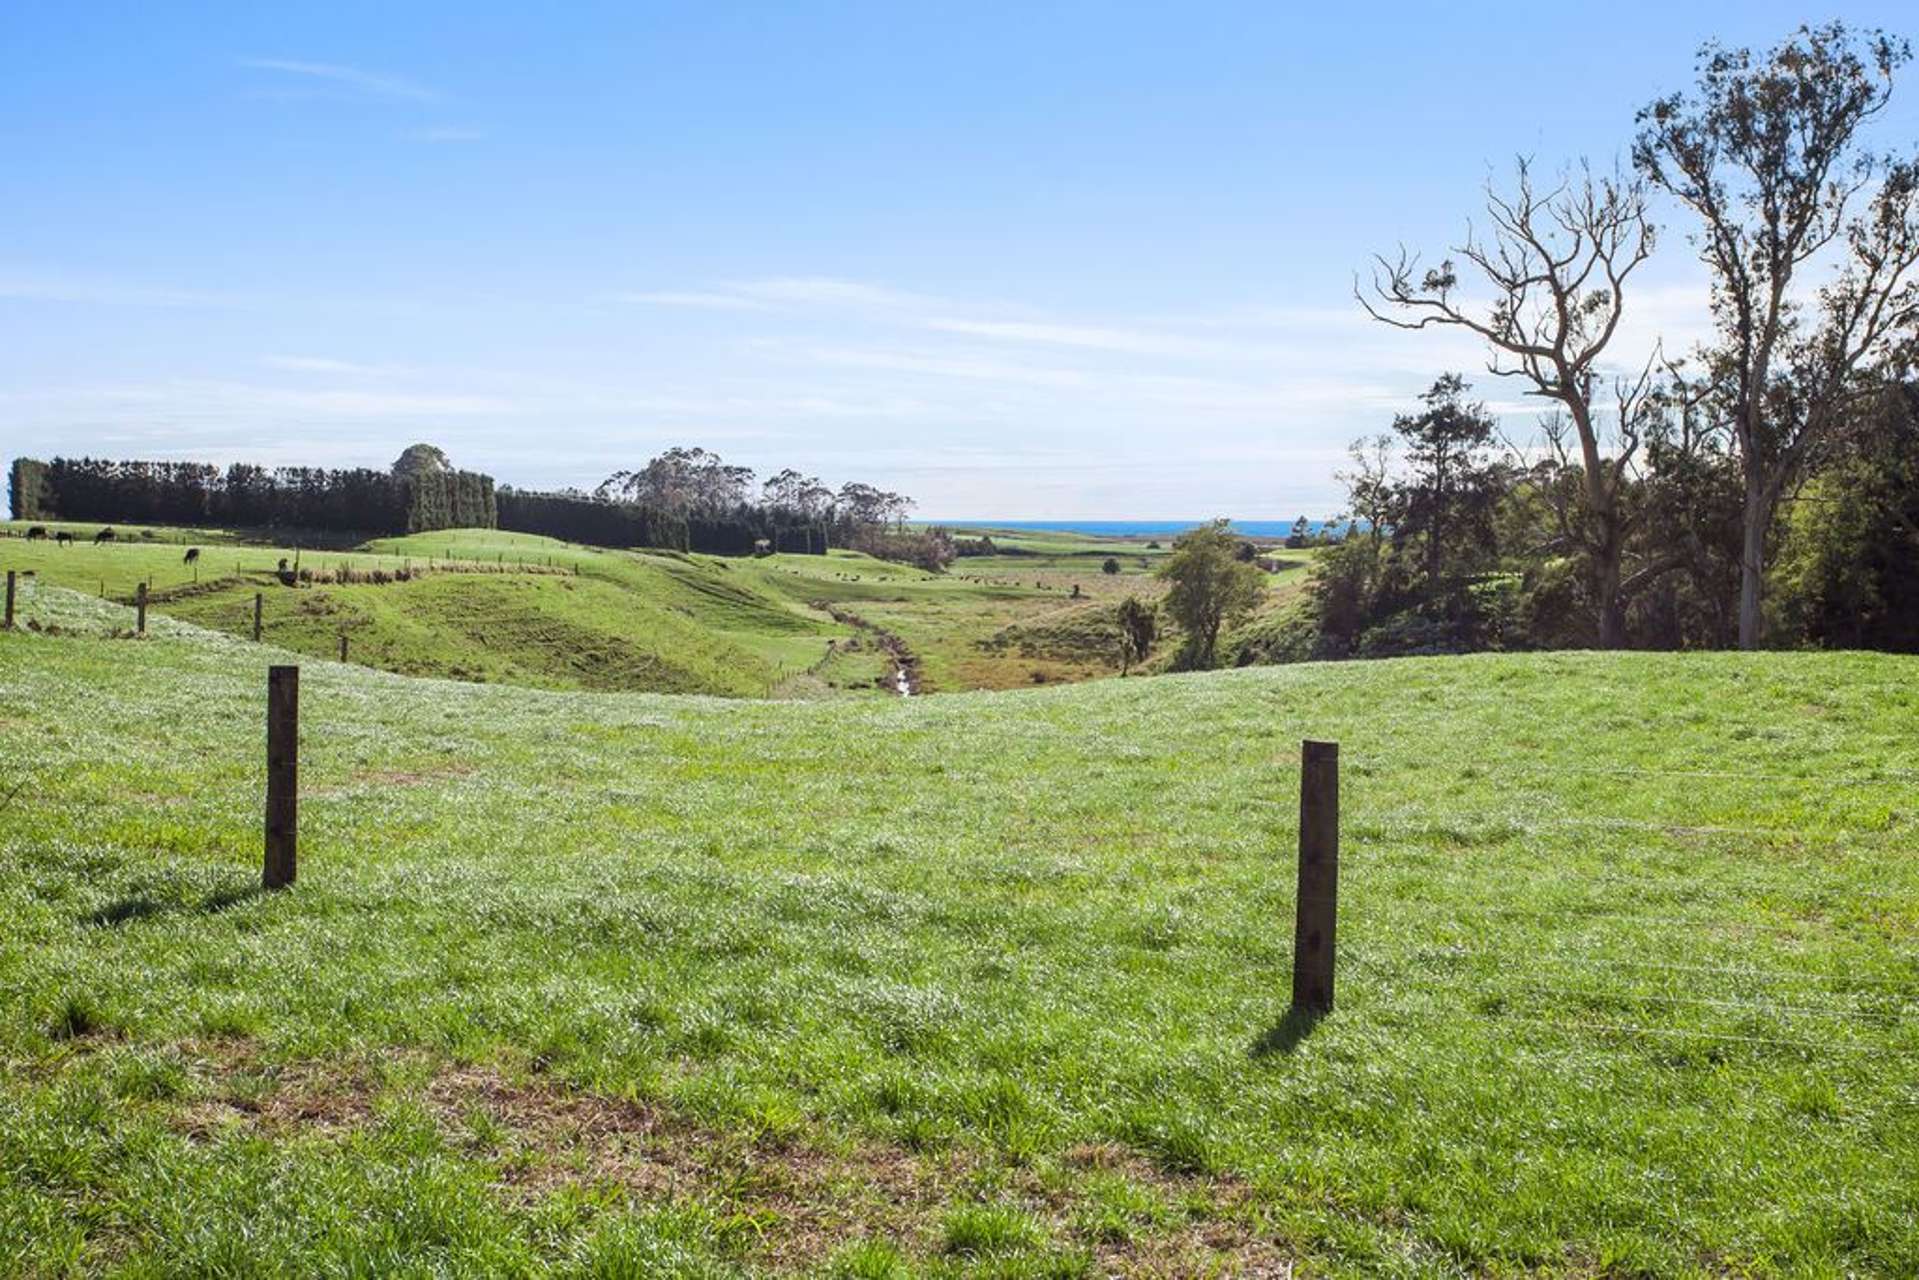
(475, 605)
(984, 984)
(485, 605)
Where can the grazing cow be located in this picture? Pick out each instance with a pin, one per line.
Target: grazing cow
(64, 538)
(37, 533)
(105, 535)
(193, 555)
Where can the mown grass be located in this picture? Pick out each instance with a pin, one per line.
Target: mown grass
(982, 984)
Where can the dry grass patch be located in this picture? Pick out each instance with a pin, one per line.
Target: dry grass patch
(804, 1198)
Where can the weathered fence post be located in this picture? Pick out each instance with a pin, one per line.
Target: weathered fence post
(343, 646)
(283, 776)
(9, 599)
(1317, 909)
(140, 609)
(259, 602)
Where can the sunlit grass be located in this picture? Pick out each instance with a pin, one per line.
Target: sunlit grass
(1630, 954)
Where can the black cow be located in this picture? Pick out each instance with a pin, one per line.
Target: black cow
(105, 535)
(193, 554)
(37, 533)
(64, 538)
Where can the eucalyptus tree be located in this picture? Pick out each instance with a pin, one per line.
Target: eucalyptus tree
(1766, 153)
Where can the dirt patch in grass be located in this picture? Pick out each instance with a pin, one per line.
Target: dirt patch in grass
(373, 779)
(412, 777)
(237, 1089)
(805, 1197)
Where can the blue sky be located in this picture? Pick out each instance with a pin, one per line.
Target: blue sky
(1046, 261)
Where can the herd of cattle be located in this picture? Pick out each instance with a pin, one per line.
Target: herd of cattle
(38, 532)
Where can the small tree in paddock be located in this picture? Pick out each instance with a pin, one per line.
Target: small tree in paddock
(1138, 629)
(1111, 566)
(1211, 587)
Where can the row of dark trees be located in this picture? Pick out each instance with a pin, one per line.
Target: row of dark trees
(684, 499)
(1664, 504)
(358, 500)
(742, 529)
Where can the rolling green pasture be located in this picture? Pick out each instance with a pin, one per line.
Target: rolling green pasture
(517, 608)
(478, 605)
(986, 984)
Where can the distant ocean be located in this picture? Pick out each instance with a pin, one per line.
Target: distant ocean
(1129, 528)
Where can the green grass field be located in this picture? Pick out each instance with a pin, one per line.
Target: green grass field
(485, 605)
(983, 984)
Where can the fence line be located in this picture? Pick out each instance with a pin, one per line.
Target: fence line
(1523, 986)
(1878, 779)
(1810, 1046)
(1751, 1006)
(1692, 922)
(1738, 971)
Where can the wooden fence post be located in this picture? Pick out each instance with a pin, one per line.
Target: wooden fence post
(343, 646)
(140, 609)
(1317, 909)
(283, 776)
(259, 601)
(9, 599)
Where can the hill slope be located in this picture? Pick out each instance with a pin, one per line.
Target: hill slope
(975, 984)
(485, 605)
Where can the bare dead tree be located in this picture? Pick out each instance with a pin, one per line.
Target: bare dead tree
(1767, 157)
(1554, 266)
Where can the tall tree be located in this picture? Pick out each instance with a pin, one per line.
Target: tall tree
(1445, 503)
(1766, 153)
(1211, 587)
(1553, 273)
(421, 459)
(682, 482)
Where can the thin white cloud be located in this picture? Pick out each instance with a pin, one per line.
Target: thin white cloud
(937, 364)
(777, 292)
(699, 301)
(215, 399)
(1089, 337)
(826, 291)
(38, 285)
(367, 83)
(323, 364)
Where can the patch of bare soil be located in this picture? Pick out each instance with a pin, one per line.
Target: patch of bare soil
(809, 1197)
(365, 779)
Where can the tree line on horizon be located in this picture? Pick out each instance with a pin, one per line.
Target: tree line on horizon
(410, 497)
(685, 499)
